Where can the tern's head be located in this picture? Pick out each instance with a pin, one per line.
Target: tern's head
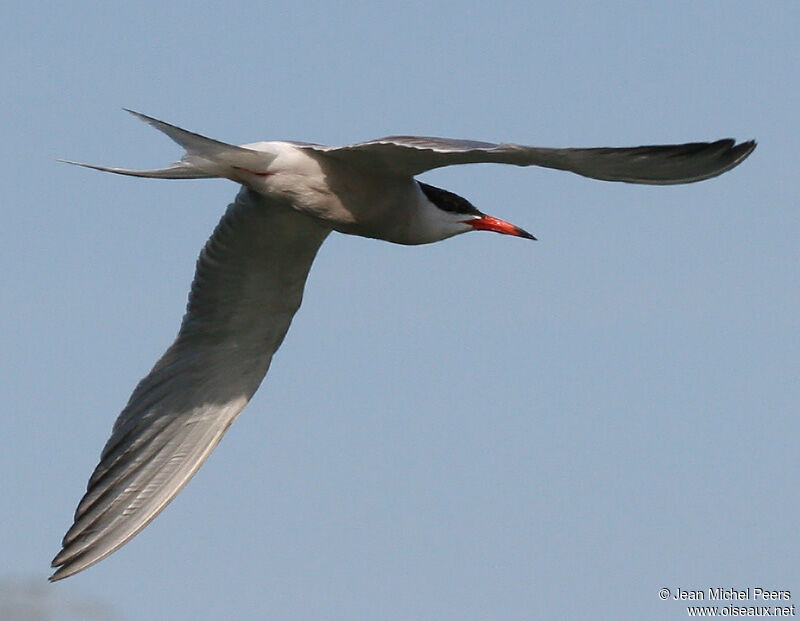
(449, 214)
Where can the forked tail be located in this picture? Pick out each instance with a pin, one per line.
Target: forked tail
(205, 158)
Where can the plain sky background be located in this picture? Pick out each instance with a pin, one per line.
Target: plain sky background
(486, 428)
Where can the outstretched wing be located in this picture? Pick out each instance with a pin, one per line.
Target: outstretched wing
(248, 285)
(657, 165)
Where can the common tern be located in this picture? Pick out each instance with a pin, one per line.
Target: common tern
(251, 274)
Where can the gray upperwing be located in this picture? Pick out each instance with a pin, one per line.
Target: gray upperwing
(657, 165)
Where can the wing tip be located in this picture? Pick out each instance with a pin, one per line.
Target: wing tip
(64, 564)
(721, 156)
(736, 153)
(68, 569)
(745, 148)
(65, 568)
(74, 558)
(741, 149)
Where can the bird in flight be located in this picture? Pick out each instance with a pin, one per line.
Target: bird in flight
(251, 273)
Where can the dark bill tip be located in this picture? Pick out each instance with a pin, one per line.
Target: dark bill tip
(489, 223)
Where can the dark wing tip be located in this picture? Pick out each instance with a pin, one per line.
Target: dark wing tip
(60, 572)
(733, 154)
(743, 149)
(736, 152)
(64, 565)
(687, 163)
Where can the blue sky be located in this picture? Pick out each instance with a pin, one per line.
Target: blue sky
(482, 428)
